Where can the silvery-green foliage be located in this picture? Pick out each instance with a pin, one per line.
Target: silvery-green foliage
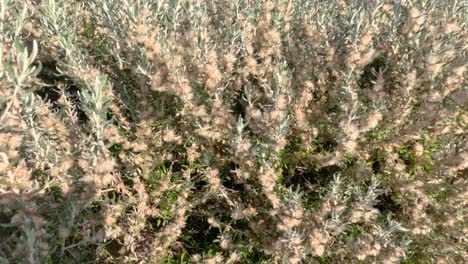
(291, 131)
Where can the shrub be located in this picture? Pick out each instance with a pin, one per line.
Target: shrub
(280, 131)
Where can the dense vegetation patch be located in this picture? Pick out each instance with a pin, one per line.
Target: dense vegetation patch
(190, 131)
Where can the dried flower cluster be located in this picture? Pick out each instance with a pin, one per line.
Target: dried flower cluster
(272, 131)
